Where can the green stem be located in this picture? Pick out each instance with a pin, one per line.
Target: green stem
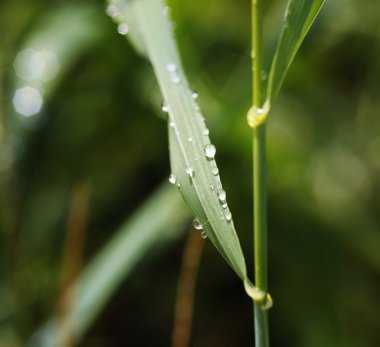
(259, 180)
(260, 208)
(260, 231)
(257, 54)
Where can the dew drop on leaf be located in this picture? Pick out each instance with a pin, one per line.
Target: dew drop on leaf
(113, 11)
(228, 216)
(222, 195)
(165, 107)
(172, 179)
(210, 151)
(197, 224)
(171, 67)
(122, 29)
(175, 78)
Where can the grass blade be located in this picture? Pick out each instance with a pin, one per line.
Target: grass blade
(195, 173)
(151, 226)
(299, 16)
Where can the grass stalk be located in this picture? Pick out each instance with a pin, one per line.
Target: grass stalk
(260, 232)
(256, 53)
(259, 179)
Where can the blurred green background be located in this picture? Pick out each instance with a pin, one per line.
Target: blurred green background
(84, 147)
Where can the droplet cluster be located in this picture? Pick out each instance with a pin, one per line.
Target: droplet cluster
(199, 226)
(174, 76)
(209, 151)
(114, 11)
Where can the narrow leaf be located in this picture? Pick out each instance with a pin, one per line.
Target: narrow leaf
(298, 19)
(191, 153)
(151, 226)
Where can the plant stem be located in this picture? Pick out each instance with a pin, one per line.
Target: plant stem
(257, 36)
(260, 231)
(259, 181)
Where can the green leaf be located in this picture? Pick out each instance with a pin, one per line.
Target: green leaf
(299, 17)
(156, 223)
(188, 136)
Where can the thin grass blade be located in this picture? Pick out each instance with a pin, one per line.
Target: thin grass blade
(191, 153)
(151, 226)
(299, 17)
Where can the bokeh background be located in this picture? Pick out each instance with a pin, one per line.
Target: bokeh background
(84, 149)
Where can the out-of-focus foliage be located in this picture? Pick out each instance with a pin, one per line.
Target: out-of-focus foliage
(98, 124)
(298, 18)
(150, 226)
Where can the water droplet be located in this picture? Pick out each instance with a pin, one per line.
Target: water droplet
(172, 125)
(171, 67)
(190, 139)
(190, 171)
(194, 95)
(165, 107)
(210, 151)
(215, 171)
(203, 235)
(222, 195)
(212, 187)
(175, 78)
(179, 185)
(122, 29)
(205, 131)
(224, 205)
(197, 224)
(113, 12)
(228, 216)
(172, 179)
